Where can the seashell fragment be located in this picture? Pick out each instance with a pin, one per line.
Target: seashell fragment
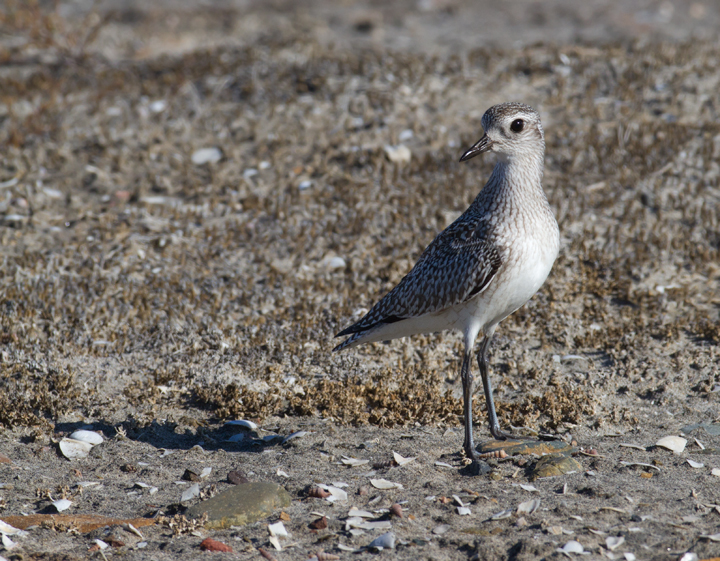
(528, 507)
(61, 504)
(674, 443)
(277, 529)
(613, 542)
(502, 514)
(463, 511)
(190, 493)
(353, 462)
(399, 460)
(440, 530)
(242, 423)
(206, 156)
(91, 437)
(336, 494)
(386, 541)
(572, 547)
(74, 449)
(385, 484)
(399, 154)
(530, 488)
(696, 465)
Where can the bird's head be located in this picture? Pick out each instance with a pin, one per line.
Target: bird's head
(512, 130)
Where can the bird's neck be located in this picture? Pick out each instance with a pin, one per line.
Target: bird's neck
(518, 174)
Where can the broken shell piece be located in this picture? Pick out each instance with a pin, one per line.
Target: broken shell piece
(385, 484)
(386, 541)
(91, 437)
(572, 547)
(399, 460)
(206, 156)
(243, 424)
(74, 449)
(674, 443)
(61, 504)
(463, 511)
(613, 542)
(529, 488)
(190, 493)
(439, 530)
(695, 465)
(502, 514)
(715, 472)
(277, 529)
(399, 154)
(528, 507)
(205, 472)
(336, 494)
(354, 511)
(353, 462)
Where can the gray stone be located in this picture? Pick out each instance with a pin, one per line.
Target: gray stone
(241, 504)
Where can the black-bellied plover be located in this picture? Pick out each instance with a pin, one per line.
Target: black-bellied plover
(486, 264)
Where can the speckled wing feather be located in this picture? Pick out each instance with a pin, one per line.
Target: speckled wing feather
(458, 264)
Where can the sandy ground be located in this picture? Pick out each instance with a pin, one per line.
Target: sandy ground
(196, 196)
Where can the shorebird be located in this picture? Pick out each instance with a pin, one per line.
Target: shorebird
(485, 265)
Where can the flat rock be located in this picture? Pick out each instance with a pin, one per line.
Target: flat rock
(242, 504)
(519, 447)
(553, 465)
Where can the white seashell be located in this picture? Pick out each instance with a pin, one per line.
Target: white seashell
(712, 538)
(696, 465)
(141, 485)
(334, 262)
(572, 547)
(458, 500)
(340, 484)
(190, 493)
(62, 504)
(629, 556)
(250, 172)
(8, 543)
(439, 530)
(443, 465)
(385, 484)
(399, 154)
(343, 547)
(158, 107)
(264, 165)
(502, 514)
(74, 449)
(141, 545)
(205, 472)
(206, 156)
(407, 134)
(153, 490)
(529, 488)
(336, 494)
(7, 530)
(463, 511)
(242, 423)
(281, 473)
(275, 543)
(298, 434)
(305, 185)
(278, 529)
(674, 443)
(386, 541)
(613, 542)
(399, 460)
(689, 556)
(101, 544)
(715, 472)
(356, 512)
(528, 507)
(85, 484)
(353, 462)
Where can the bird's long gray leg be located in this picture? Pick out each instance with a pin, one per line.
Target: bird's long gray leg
(467, 381)
(487, 387)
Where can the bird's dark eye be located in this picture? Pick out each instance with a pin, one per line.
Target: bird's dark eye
(517, 125)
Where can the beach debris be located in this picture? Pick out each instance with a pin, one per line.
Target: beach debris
(712, 538)
(317, 492)
(354, 511)
(400, 461)
(639, 464)
(571, 547)
(396, 510)
(696, 465)
(613, 542)
(297, 434)
(278, 529)
(440, 530)
(528, 507)
(62, 504)
(463, 511)
(715, 472)
(384, 484)
(75, 449)
(399, 154)
(89, 436)
(635, 446)
(676, 444)
(190, 493)
(209, 544)
(205, 473)
(319, 524)
(336, 494)
(242, 424)
(443, 464)
(206, 156)
(353, 462)
(385, 541)
(529, 488)
(502, 514)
